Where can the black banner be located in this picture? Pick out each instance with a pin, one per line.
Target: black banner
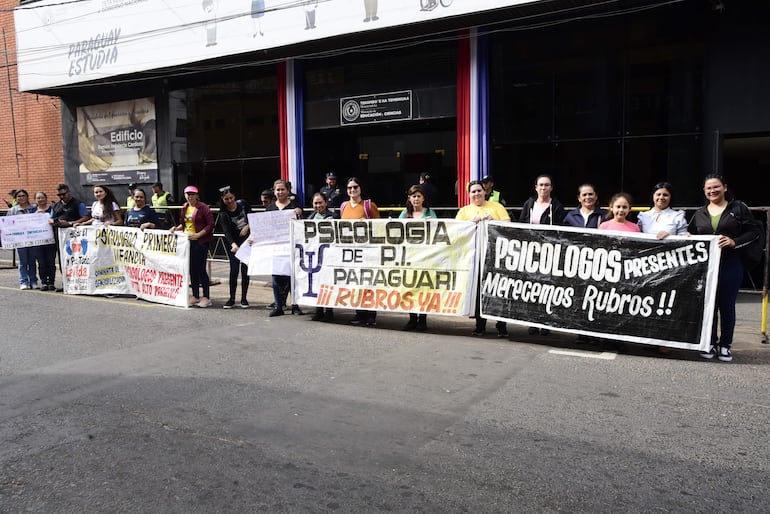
(631, 287)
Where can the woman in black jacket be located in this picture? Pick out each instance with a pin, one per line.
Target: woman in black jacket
(542, 209)
(730, 220)
(234, 222)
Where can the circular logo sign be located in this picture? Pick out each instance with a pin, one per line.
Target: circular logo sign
(351, 110)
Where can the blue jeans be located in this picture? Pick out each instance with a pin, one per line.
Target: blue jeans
(27, 275)
(199, 278)
(728, 285)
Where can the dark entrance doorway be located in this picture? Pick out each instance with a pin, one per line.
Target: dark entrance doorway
(388, 158)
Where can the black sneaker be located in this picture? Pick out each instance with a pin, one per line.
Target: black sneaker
(725, 355)
(296, 310)
(275, 312)
(502, 333)
(229, 304)
(357, 321)
(710, 354)
(477, 332)
(244, 304)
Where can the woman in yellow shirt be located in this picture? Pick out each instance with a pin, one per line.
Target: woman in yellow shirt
(479, 209)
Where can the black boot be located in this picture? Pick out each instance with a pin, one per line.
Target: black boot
(412, 324)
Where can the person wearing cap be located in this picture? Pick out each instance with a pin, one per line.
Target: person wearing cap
(332, 191)
(12, 194)
(430, 189)
(489, 189)
(130, 199)
(160, 201)
(198, 222)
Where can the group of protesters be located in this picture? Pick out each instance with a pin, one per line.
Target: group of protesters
(721, 216)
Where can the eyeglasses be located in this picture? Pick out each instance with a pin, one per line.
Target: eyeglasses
(353, 187)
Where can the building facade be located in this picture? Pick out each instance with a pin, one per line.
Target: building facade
(620, 94)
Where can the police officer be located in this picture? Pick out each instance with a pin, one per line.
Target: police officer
(333, 192)
(160, 201)
(489, 188)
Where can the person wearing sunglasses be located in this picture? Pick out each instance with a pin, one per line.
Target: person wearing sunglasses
(355, 209)
(66, 212)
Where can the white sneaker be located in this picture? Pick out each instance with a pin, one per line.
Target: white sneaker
(23, 287)
(710, 354)
(725, 355)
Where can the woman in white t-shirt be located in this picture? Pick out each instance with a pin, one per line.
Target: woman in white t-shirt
(105, 210)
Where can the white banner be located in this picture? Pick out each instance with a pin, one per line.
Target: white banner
(61, 42)
(153, 264)
(421, 266)
(269, 253)
(23, 230)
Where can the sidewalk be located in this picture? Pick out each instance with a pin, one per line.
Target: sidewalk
(748, 308)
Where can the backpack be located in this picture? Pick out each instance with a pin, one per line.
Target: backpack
(752, 252)
(367, 208)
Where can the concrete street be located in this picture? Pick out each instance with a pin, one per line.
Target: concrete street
(119, 405)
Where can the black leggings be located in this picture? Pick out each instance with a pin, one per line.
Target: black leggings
(237, 265)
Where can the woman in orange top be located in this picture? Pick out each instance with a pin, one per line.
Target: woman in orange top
(355, 209)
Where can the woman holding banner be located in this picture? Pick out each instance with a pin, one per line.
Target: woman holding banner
(321, 212)
(542, 209)
(588, 214)
(141, 215)
(479, 209)
(234, 221)
(417, 207)
(45, 255)
(355, 209)
(662, 220)
(198, 223)
(27, 274)
(282, 283)
(731, 221)
(105, 209)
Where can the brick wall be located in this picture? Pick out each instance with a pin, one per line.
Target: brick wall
(36, 121)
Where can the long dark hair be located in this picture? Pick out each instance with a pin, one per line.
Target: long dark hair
(109, 201)
(358, 183)
(412, 190)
